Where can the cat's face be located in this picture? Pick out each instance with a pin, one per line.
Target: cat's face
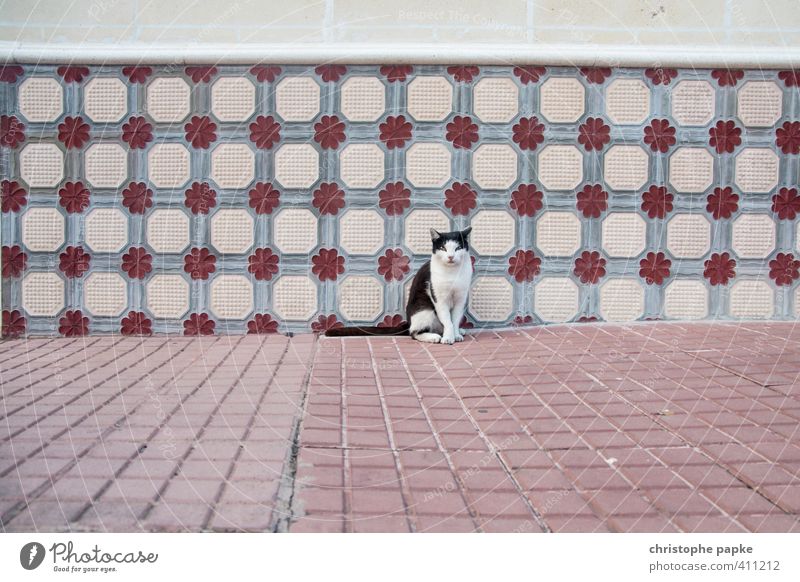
(451, 248)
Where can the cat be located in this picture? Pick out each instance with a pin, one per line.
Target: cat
(438, 296)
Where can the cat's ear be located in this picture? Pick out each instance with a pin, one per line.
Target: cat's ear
(435, 234)
(466, 231)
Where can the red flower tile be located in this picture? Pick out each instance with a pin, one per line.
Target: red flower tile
(463, 74)
(719, 269)
(13, 197)
(265, 132)
(395, 73)
(201, 74)
(266, 73)
(325, 323)
(524, 266)
(12, 131)
(786, 204)
(136, 323)
(784, 269)
(462, 132)
(395, 131)
(787, 137)
(199, 263)
(330, 73)
(521, 320)
(327, 264)
(657, 202)
(596, 75)
(201, 132)
(73, 324)
(722, 203)
(263, 264)
(592, 200)
(137, 74)
(654, 268)
(466, 323)
(13, 324)
(137, 262)
(587, 319)
(527, 200)
(264, 198)
(395, 198)
(137, 197)
(74, 262)
(727, 77)
(262, 323)
(659, 135)
(199, 324)
(328, 198)
(660, 76)
(73, 132)
(528, 133)
(13, 261)
(200, 198)
(393, 265)
(590, 267)
(725, 136)
(74, 197)
(790, 78)
(329, 132)
(460, 199)
(9, 73)
(73, 74)
(594, 134)
(529, 73)
(137, 133)
(395, 320)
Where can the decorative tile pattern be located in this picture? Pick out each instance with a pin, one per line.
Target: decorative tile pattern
(215, 202)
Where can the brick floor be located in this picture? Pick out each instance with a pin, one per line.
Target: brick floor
(648, 427)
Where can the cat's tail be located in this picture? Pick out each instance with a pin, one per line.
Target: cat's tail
(401, 329)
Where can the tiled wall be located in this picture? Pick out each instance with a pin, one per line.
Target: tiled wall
(232, 199)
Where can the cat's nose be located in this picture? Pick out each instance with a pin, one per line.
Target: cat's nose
(450, 259)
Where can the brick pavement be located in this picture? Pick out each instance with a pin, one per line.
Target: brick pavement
(648, 427)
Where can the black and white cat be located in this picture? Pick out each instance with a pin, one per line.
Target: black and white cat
(438, 296)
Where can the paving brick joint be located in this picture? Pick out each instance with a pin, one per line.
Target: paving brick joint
(652, 427)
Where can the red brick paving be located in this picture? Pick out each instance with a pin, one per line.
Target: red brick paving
(648, 427)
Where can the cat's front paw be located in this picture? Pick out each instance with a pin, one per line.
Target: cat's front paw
(448, 338)
(459, 337)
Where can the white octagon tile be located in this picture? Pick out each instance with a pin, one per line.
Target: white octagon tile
(558, 234)
(418, 227)
(168, 165)
(40, 99)
(167, 296)
(756, 170)
(562, 99)
(168, 100)
(491, 299)
(751, 300)
(363, 98)
(106, 230)
(686, 299)
(295, 230)
(623, 234)
(429, 98)
(297, 98)
(493, 232)
(41, 165)
(105, 294)
(759, 103)
(361, 232)
(494, 166)
(753, 236)
(294, 298)
(360, 298)
(560, 167)
(42, 229)
(231, 297)
(627, 101)
(42, 294)
(428, 165)
(105, 100)
(495, 100)
(691, 169)
(106, 165)
(361, 165)
(626, 167)
(296, 165)
(233, 99)
(688, 236)
(693, 103)
(797, 302)
(232, 231)
(168, 230)
(233, 165)
(555, 299)
(621, 300)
